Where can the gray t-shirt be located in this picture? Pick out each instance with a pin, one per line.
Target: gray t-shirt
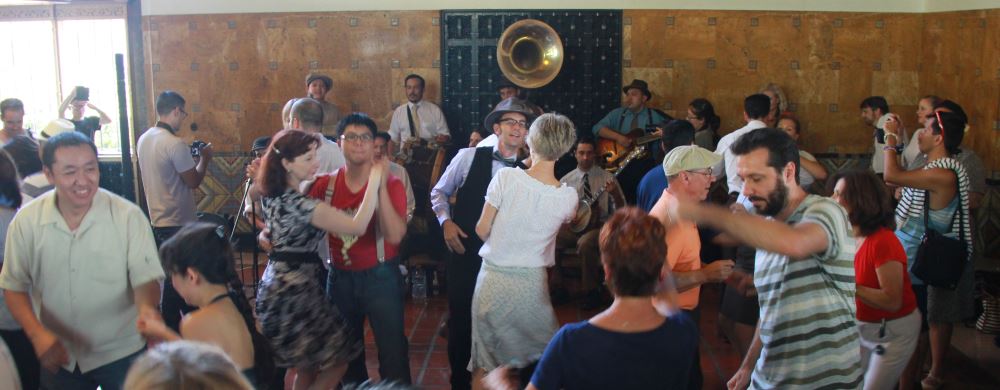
(162, 158)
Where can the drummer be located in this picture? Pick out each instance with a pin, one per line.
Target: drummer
(590, 182)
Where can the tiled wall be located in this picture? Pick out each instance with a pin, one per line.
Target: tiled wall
(237, 71)
(826, 63)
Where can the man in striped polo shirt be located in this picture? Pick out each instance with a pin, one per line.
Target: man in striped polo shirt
(805, 337)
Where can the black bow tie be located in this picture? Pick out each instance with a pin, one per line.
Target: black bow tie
(509, 162)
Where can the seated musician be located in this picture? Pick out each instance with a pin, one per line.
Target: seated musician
(620, 126)
(417, 119)
(591, 183)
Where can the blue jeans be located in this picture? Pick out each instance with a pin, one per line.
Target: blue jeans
(110, 376)
(376, 293)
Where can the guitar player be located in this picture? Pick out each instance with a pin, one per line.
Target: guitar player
(588, 179)
(624, 125)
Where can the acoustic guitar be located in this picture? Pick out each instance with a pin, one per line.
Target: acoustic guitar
(614, 153)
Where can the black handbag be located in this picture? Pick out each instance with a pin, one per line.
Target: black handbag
(941, 260)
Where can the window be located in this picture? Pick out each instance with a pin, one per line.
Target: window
(56, 48)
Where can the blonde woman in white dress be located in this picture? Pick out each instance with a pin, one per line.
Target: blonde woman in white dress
(512, 317)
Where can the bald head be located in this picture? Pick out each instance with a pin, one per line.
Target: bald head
(307, 113)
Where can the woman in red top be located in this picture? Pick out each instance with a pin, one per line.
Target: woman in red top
(888, 320)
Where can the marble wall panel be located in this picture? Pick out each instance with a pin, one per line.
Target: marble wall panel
(961, 62)
(237, 71)
(826, 62)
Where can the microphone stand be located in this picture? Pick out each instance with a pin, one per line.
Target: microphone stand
(253, 229)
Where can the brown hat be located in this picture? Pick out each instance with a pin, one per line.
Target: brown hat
(641, 85)
(511, 104)
(327, 81)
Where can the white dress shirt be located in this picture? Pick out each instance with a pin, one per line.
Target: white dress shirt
(431, 121)
(728, 164)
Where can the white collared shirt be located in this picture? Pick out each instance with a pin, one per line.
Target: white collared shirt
(81, 282)
(432, 123)
(728, 164)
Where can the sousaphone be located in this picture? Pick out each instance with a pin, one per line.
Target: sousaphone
(530, 53)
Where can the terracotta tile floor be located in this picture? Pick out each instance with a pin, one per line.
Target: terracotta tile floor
(719, 360)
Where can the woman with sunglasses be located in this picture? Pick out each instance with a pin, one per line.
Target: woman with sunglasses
(944, 184)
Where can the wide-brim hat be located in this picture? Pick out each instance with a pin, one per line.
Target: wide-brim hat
(511, 104)
(327, 81)
(641, 85)
(689, 158)
(55, 128)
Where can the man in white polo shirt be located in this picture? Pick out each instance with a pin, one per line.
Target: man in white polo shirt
(80, 265)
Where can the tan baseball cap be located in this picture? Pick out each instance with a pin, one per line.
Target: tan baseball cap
(689, 158)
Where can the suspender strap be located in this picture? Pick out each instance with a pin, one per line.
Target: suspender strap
(379, 240)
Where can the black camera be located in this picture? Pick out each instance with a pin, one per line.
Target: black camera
(196, 148)
(879, 135)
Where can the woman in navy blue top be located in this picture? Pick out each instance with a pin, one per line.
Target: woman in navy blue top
(631, 345)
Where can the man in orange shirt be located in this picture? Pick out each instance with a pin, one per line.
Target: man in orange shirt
(689, 172)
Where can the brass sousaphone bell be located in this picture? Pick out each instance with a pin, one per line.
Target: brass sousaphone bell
(530, 53)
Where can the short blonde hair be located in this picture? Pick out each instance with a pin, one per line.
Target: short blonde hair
(185, 365)
(551, 136)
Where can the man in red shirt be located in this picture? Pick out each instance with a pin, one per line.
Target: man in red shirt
(365, 279)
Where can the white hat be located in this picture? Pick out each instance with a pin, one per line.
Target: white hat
(55, 128)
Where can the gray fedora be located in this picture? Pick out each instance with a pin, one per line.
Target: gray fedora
(511, 104)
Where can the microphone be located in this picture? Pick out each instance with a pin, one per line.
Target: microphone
(194, 126)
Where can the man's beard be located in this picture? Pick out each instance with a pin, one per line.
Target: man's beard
(775, 201)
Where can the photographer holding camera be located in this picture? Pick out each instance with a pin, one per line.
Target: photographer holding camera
(169, 176)
(79, 101)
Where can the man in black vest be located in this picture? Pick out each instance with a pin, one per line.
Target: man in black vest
(467, 177)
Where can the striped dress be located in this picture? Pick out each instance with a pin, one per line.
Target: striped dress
(807, 310)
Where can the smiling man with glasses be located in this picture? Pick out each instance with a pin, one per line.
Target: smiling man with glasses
(364, 279)
(467, 177)
(689, 170)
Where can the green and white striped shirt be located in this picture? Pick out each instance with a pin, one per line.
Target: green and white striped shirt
(807, 309)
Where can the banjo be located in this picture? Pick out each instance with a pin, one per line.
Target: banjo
(585, 215)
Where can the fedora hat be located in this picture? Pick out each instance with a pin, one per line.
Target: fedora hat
(641, 85)
(327, 81)
(511, 104)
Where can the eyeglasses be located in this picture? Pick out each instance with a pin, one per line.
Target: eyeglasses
(692, 118)
(512, 122)
(182, 111)
(706, 171)
(357, 137)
